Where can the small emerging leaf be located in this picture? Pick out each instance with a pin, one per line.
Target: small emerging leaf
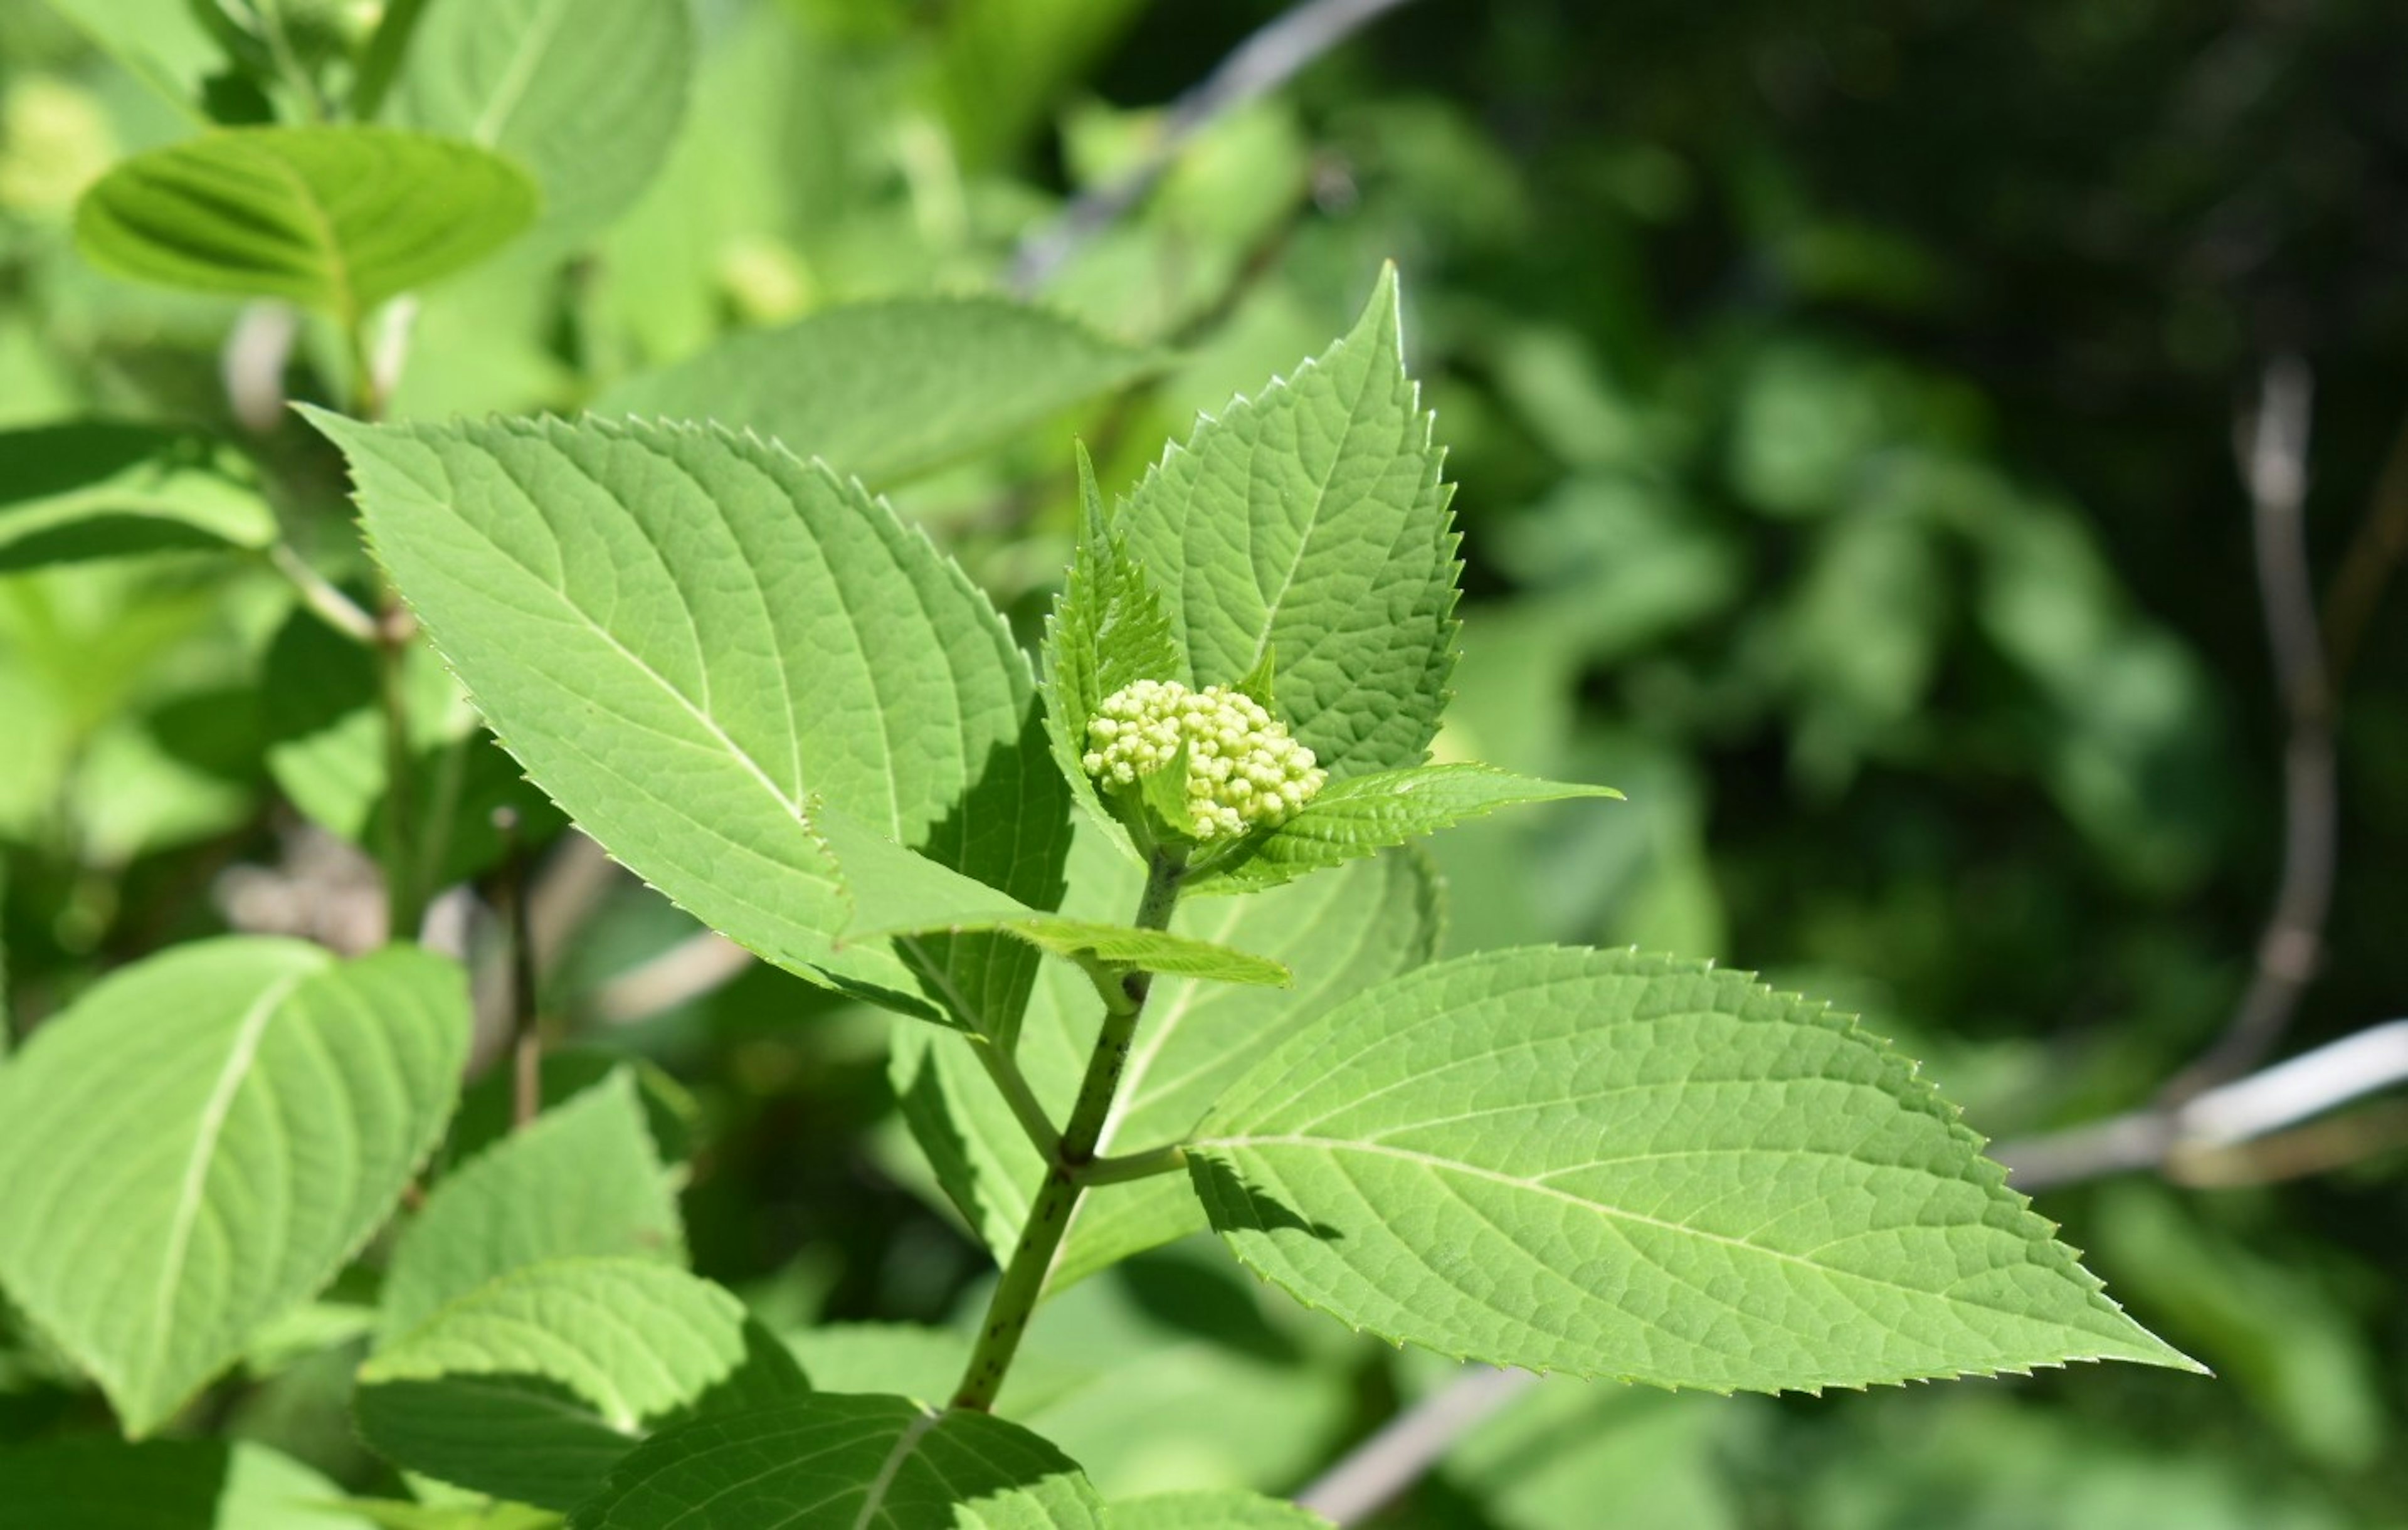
(1150, 950)
(1642, 1169)
(337, 218)
(1105, 631)
(1366, 813)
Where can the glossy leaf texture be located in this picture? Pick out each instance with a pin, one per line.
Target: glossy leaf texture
(1342, 934)
(89, 1483)
(845, 1459)
(743, 676)
(584, 1179)
(1310, 521)
(336, 219)
(553, 85)
(531, 1387)
(1642, 1169)
(195, 1148)
(1365, 814)
(885, 391)
(97, 489)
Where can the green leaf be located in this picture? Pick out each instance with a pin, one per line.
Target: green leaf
(337, 218)
(195, 1148)
(399, 1515)
(1209, 1512)
(1153, 950)
(1312, 520)
(488, 1106)
(531, 1387)
(845, 1460)
(98, 489)
(93, 1483)
(588, 95)
(1339, 934)
(1105, 631)
(581, 1180)
(1368, 813)
(885, 391)
(1642, 1169)
(745, 677)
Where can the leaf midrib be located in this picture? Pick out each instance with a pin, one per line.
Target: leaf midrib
(510, 91)
(249, 1031)
(1438, 1164)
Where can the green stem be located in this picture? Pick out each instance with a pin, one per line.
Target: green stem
(1013, 1086)
(1135, 1165)
(404, 890)
(1074, 1160)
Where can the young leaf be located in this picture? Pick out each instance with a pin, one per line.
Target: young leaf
(1642, 1169)
(98, 489)
(194, 1147)
(885, 391)
(1367, 813)
(722, 662)
(840, 1459)
(1154, 950)
(1105, 629)
(581, 1180)
(588, 95)
(531, 1387)
(337, 218)
(1209, 1512)
(1341, 933)
(1312, 520)
(96, 1484)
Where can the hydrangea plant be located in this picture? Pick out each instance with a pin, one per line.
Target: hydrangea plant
(1163, 956)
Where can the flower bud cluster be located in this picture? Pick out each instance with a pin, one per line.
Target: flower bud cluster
(1243, 770)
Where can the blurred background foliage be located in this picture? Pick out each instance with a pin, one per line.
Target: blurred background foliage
(1843, 399)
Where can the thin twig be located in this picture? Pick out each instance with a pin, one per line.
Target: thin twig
(700, 964)
(2374, 554)
(1267, 60)
(324, 601)
(2219, 1118)
(2272, 444)
(526, 1027)
(1409, 1445)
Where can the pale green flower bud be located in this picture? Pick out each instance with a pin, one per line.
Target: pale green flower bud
(1243, 770)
